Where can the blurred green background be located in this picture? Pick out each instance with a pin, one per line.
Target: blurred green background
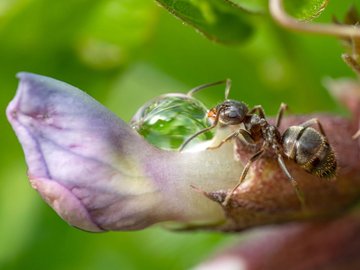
(124, 52)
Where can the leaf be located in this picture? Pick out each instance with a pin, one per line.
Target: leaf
(255, 6)
(300, 9)
(218, 20)
(114, 32)
(305, 10)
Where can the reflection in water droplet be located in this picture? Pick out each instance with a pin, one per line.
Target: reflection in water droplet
(168, 120)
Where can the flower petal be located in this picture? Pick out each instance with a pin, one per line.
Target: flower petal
(98, 173)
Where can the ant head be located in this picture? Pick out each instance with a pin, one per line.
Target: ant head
(230, 112)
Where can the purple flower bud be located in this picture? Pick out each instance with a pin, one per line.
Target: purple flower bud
(98, 174)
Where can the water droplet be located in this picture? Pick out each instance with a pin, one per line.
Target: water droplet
(168, 120)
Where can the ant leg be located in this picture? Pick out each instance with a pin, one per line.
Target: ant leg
(216, 121)
(243, 175)
(282, 109)
(228, 138)
(259, 109)
(195, 135)
(203, 86)
(243, 132)
(247, 136)
(294, 183)
(314, 121)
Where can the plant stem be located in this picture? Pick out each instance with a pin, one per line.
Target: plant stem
(279, 14)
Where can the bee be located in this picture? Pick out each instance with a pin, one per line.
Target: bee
(306, 146)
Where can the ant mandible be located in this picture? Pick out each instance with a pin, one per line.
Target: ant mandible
(306, 146)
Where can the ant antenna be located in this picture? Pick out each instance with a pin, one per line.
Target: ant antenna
(216, 121)
(203, 86)
(227, 88)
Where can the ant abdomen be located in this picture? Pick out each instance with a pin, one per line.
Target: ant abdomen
(310, 150)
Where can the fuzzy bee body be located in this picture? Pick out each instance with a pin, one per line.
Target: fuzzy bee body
(310, 150)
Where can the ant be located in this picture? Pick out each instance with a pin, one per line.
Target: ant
(306, 146)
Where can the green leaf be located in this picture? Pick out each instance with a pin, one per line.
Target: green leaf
(254, 6)
(114, 31)
(305, 10)
(218, 20)
(300, 9)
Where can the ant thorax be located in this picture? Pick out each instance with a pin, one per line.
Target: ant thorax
(255, 125)
(262, 132)
(273, 138)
